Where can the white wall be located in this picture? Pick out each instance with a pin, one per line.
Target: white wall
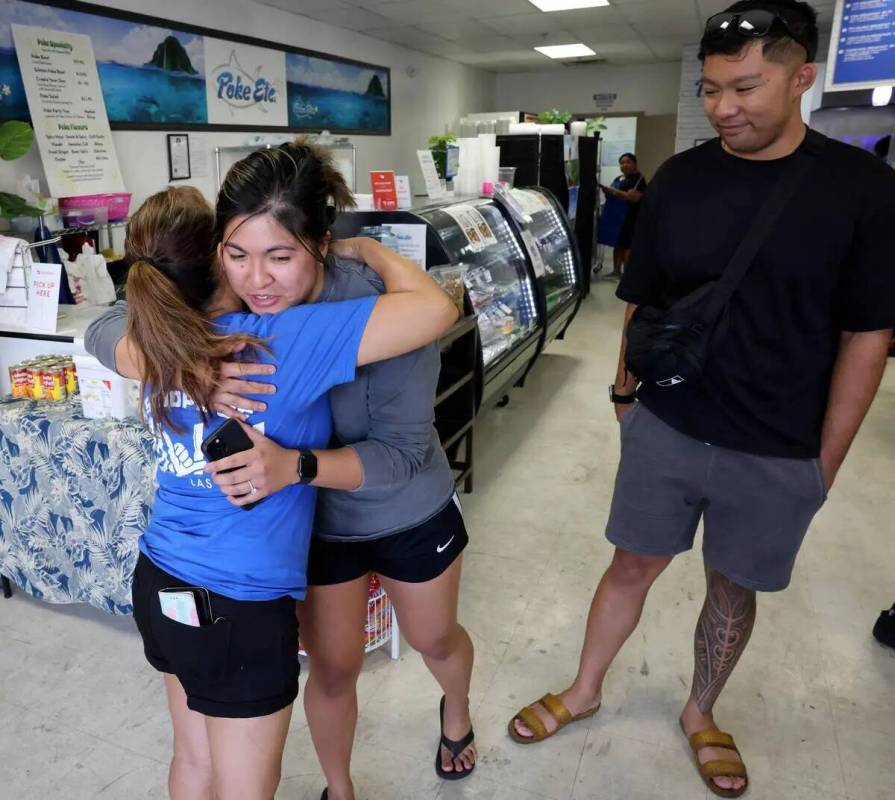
(647, 88)
(438, 93)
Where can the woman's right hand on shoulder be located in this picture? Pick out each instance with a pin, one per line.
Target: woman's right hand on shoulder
(233, 385)
(350, 249)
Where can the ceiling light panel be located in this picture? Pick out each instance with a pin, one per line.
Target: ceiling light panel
(567, 5)
(566, 51)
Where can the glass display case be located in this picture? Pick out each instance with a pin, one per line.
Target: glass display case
(548, 238)
(473, 244)
(478, 236)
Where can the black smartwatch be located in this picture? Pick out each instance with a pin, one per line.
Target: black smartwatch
(307, 466)
(621, 399)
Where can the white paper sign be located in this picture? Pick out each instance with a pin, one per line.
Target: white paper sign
(693, 127)
(536, 260)
(67, 111)
(402, 186)
(245, 85)
(43, 297)
(407, 240)
(430, 174)
(474, 226)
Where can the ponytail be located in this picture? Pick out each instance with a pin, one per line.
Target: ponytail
(175, 341)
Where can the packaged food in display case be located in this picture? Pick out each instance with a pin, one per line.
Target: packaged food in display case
(451, 279)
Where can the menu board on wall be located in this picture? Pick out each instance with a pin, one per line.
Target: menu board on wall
(156, 74)
(862, 49)
(67, 111)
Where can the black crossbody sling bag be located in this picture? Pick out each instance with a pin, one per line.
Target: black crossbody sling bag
(670, 347)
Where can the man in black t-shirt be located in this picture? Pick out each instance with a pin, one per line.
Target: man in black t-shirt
(753, 448)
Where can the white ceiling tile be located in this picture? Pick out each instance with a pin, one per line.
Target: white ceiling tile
(455, 29)
(670, 27)
(658, 10)
(535, 40)
(412, 12)
(523, 23)
(667, 48)
(349, 17)
(607, 33)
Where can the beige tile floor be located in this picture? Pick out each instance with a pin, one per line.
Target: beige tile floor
(812, 703)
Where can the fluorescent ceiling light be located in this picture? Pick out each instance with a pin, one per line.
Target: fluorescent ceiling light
(566, 51)
(567, 5)
(882, 96)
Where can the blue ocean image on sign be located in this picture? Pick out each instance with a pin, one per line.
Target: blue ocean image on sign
(332, 95)
(148, 74)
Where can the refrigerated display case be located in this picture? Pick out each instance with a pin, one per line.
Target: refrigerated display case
(477, 234)
(554, 257)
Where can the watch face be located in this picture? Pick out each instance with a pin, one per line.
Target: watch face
(307, 467)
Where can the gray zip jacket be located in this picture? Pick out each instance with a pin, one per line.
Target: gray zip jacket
(386, 415)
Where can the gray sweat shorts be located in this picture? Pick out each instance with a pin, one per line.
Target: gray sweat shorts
(756, 509)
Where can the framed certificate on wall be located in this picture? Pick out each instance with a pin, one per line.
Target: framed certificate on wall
(178, 156)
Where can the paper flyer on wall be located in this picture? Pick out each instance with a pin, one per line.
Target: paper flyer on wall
(474, 226)
(67, 111)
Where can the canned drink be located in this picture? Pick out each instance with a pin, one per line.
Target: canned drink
(71, 377)
(52, 380)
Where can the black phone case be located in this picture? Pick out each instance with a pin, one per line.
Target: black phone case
(227, 440)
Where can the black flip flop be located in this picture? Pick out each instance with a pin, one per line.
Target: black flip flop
(454, 748)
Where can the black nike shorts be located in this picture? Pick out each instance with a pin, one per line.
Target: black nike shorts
(416, 555)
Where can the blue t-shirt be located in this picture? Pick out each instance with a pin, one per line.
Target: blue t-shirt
(194, 533)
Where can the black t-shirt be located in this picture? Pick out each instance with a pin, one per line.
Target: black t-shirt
(827, 268)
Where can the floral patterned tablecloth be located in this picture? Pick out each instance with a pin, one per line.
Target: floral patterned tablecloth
(75, 495)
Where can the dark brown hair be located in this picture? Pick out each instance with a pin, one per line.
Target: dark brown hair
(802, 33)
(170, 248)
(296, 183)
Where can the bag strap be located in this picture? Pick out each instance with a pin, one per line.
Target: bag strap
(792, 177)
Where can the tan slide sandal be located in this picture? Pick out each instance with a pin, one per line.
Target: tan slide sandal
(718, 768)
(530, 719)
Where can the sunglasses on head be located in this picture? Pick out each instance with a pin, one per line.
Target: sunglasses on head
(755, 24)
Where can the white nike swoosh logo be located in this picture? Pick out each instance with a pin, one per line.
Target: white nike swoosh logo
(442, 547)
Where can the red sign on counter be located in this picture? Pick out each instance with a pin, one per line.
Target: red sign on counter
(385, 193)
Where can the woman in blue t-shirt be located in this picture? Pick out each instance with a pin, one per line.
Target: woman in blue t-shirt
(215, 585)
(619, 214)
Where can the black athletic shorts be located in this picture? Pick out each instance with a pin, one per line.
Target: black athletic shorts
(416, 555)
(244, 665)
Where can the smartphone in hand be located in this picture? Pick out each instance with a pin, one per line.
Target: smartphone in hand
(227, 440)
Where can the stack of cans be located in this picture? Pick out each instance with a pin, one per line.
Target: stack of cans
(50, 378)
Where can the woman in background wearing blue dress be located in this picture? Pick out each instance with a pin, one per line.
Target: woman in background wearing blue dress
(619, 215)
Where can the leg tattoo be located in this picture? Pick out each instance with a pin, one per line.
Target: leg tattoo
(722, 633)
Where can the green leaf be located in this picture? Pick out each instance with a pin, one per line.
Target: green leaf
(11, 205)
(15, 139)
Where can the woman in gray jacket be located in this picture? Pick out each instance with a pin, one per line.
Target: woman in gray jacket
(402, 520)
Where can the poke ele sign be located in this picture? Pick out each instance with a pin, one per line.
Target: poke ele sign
(247, 84)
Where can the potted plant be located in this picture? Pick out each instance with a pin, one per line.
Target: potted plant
(595, 124)
(15, 140)
(439, 145)
(554, 116)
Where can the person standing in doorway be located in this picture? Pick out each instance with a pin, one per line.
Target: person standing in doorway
(753, 446)
(616, 228)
